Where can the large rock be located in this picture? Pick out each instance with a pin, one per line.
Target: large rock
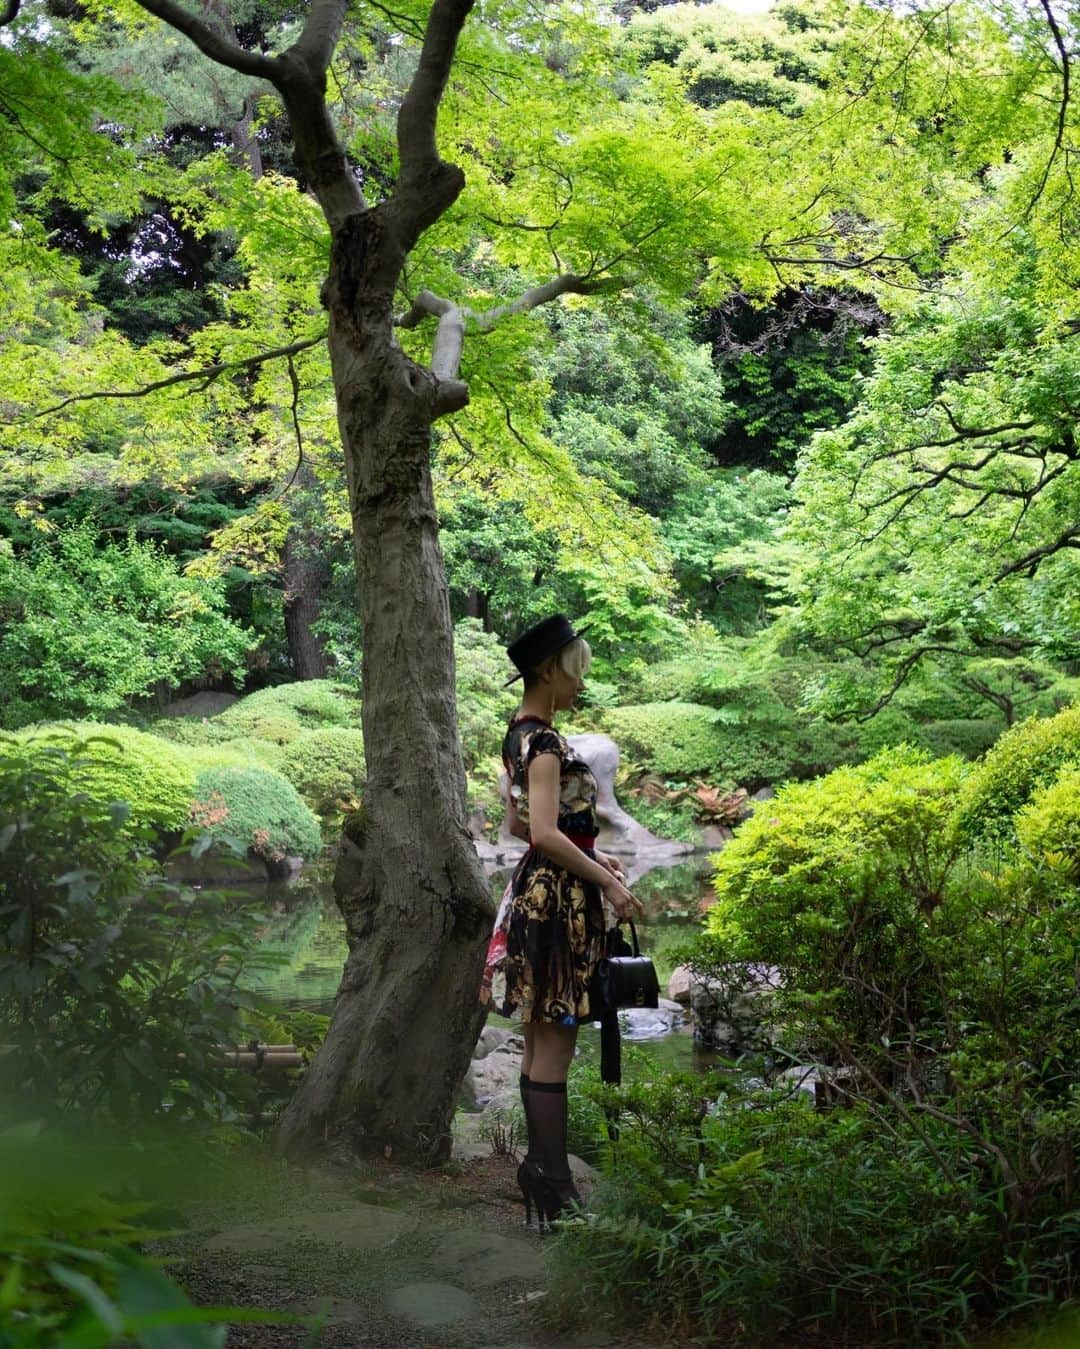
(205, 704)
(619, 832)
(734, 1013)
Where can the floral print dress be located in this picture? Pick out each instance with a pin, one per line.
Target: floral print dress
(552, 926)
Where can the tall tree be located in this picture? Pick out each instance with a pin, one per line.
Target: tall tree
(573, 190)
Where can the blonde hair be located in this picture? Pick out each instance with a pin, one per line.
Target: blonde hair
(575, 658)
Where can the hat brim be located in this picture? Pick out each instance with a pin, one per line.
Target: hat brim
(578, 632)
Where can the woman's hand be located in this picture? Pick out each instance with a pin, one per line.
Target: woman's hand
(611, 864)
(620, 898)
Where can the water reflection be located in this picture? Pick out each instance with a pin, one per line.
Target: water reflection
(304, 926)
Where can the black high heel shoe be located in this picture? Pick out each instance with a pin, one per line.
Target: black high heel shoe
(528, 1178)
(550, 1197)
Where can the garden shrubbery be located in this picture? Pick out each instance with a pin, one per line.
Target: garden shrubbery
(325, 766)
(257, 807)
(117, 763)
(686, 740)
(933, 987)
(1027, 757)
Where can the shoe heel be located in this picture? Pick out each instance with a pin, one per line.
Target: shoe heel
(524, 1180)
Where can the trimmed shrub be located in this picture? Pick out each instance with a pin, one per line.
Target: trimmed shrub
(837, 876)
(324, 766)
(483, 705)
(276, 715)
(117, 763)
(258, 807)
(1049, 825)
(969, 737)
(1028, 756)
(311, 703)
(687, 740)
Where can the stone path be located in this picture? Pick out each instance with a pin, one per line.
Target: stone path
(383, 1257)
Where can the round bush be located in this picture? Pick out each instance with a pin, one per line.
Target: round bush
(308, 704)
(118, 763)
(257, 806)
(837, 875)
(1050, 823)
(324, 766)
(688, 740)
(1028, 756)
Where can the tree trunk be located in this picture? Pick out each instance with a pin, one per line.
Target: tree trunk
(416, 903)
(306, 577)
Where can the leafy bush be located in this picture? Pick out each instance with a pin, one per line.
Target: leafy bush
(86, 628)
(483, 705)
(750, 1219)
(688, 740)
(276, 716)
(831, 883)
(969, 737)
(1028, 756)
(71, 1237)
(1049, 825)
(116, 987)
(324, 766)
(117, 763)
(258, 807)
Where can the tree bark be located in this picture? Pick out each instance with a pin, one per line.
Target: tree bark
(415, 899)
(306, 577)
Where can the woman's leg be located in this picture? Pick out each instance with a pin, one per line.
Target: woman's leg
(552, 1051)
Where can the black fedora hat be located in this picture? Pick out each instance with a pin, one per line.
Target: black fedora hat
(539, 642)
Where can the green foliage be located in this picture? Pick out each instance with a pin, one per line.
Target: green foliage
(259, 808)
(85, 629)
(272, 716)
(116, 986)
(686, 740)
(117, 763)
(637, 406)
(706, 530)
(1027, 757)
(1049, 825)
(938, 1002)
(72, 1222)
(484, 705)
(666, 819)
(752, 1219)
(838, 875)
(325, 766)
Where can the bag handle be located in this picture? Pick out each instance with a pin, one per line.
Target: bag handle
(633, 937)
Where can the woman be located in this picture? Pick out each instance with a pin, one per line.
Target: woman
(564, 899)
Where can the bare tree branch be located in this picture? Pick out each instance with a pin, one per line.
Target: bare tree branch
(566, 284)
(426, 185)
(204, 377)
(213, 43)
(1068, 538)
(319, 36)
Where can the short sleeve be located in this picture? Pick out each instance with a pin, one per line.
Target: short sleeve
(544, 741)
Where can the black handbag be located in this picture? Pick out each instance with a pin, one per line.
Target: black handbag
(624, 979)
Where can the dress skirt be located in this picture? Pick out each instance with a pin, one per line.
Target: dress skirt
(550, 933)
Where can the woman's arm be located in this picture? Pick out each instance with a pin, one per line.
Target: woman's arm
(546, 835)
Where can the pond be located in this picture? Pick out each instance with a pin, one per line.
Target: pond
(305, 927)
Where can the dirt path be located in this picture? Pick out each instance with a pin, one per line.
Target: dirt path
(384, 1257)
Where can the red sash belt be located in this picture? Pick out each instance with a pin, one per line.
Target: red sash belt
(586, 842)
